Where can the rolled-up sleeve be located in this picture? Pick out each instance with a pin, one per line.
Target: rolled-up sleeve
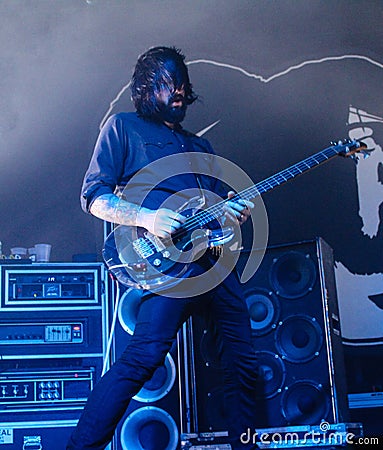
(107, 162)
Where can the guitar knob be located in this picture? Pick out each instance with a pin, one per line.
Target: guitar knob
(157, 262)
(141, 267)
(166, 254)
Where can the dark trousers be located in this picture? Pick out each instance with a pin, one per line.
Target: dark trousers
(159, 320)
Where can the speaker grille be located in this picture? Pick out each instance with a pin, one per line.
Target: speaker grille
(264, 310)
(292, 274)
(271, 374)
(160, 384)
(149, 428)
(128, 309)
(299, 338)
(305, 403)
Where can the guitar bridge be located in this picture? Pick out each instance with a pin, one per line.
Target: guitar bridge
(143, 247)
(148, 245)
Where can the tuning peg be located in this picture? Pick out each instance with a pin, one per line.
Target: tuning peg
(366, 152)
(342, 142)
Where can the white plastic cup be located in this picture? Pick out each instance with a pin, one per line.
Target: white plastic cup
(43, 252)
(19, 252)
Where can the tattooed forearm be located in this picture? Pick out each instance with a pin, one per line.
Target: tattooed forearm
(111, 208)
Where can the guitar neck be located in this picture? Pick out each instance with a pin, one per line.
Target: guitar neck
(287, 174)
(217, 210)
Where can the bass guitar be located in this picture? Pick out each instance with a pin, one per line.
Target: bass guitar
(142, 260)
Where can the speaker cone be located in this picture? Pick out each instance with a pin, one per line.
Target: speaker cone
(293, 275)
(149, 428)
(128, 309)
(305, 403)
(264, 310)
(299, 338)
(271, 374)
(160, 384)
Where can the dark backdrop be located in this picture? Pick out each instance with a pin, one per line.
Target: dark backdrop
(280, 76)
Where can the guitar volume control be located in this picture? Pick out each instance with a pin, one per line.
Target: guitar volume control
(157, 262)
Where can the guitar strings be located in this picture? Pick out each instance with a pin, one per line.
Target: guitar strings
(215, 211)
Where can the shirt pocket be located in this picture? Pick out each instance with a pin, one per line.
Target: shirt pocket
(158, 144)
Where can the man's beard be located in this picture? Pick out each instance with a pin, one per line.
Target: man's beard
(172, 114)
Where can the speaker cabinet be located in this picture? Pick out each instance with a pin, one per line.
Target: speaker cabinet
(292, 303)
(52, 318)
(152, 420)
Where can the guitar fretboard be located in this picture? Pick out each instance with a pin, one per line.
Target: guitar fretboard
(287, 174)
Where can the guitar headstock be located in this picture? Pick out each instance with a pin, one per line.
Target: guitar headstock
(350, 148)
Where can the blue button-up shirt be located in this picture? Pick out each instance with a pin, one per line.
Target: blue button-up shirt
(135, 157)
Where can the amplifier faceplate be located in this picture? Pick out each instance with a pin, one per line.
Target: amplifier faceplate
(50, 286)
(52, 309)
(44, 388)
(41, 333)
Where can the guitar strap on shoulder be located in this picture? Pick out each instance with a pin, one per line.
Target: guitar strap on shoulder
(188, 148)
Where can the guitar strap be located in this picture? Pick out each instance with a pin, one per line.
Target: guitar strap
(217, 250)
(185, 141)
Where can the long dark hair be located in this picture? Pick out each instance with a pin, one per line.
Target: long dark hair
(156, 69)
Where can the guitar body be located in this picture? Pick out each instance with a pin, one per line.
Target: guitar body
(141, 260)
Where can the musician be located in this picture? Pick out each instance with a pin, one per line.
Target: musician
(129, 144)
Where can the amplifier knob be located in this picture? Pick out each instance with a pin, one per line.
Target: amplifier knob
(42, 396)
(42, 385)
